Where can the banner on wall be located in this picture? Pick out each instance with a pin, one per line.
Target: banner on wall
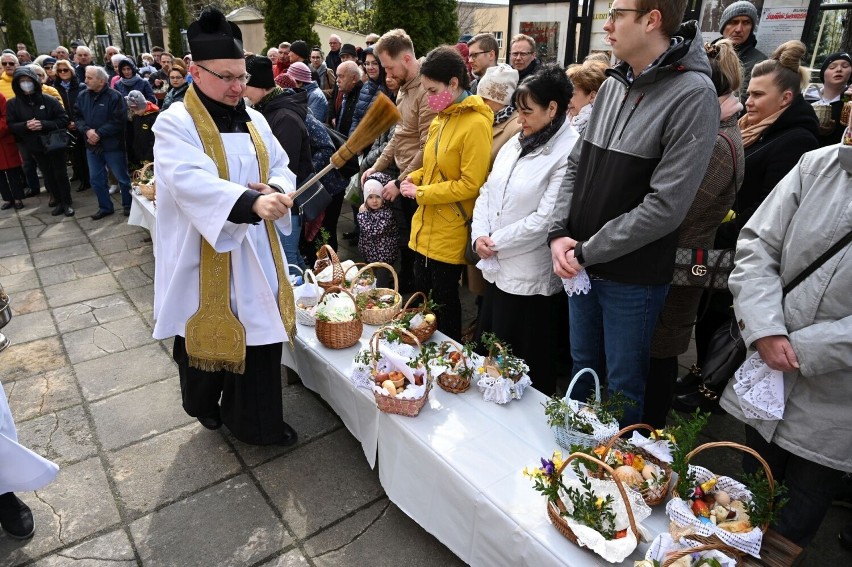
(778, 25)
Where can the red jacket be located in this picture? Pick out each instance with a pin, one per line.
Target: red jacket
(9, 155)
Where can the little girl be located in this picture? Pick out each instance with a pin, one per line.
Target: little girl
(378, 240)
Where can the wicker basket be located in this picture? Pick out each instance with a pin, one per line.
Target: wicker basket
(351, 283)
(390, 404)
(450, 381)
(651, 495)
(490, 361)
(727, 550)
(423, 332)
(385, 315)
(555, 509)
(327, 256)
(148, 189)
(567, 437)
(305, 316)
(339, 335)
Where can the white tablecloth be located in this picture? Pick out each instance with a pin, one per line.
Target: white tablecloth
(143, 213)
(456, 468)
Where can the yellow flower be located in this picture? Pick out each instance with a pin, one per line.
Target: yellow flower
(599, 502)
(481, 370)
(557, 460)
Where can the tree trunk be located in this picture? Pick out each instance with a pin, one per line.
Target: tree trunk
(846, 41)
(154, 19)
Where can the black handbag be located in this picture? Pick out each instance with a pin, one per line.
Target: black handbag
(55, 140)
(727, 351)
(351, 167)
(312, 202)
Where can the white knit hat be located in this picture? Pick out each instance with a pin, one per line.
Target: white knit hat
(372, 187)
(498, 84)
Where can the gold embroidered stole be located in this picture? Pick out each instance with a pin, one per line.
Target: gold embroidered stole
(215, 338)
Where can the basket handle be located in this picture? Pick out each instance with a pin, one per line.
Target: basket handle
(336, 288)
(624, 430)
(396, 329)
(349, 269)
(413, 295)
(673, 556)
(447, 343)
(577, 377)
(372, 265)
(744, 449)
(326, 252)
(618, 485)
(297, 268)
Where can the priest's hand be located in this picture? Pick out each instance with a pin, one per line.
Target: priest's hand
(272, 206)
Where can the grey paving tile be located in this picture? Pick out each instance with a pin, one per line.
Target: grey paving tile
(63, 436)
(42, 394)
(53, 229)
(20, 282)
(34, 357)
(129, 258)
(355, 541)
(75, 505)
(61, 273)
(63, 255)
(110, 246)
(139, 414)
(30, 326)
(308, 416)
(291, 482)
(44, 243)
(93, 312)
(28, 301)
(14, 232)
(170, 466)
(162, 538)
(133, 277)
(13, 248)
(148, 269)
(142, 297)
(122, 371)
(292, 558)
(109, 338)
(80, 290)
(9, 220)
(110, 550)
(110, 227)
(15, 264)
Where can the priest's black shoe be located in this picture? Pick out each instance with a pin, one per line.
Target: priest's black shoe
(57, 210)
(290, 436)
(16, 518)
(101, 214)
(211, 422)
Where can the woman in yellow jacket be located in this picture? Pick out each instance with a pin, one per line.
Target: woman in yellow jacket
(455, 166)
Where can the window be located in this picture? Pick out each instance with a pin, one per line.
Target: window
(499, 36)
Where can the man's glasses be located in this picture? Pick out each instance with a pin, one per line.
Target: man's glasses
(614, 13)
(519, 54)
(475, 54)
(242, 79)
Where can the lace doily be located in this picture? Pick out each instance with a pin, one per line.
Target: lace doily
(578, 284)
(601, 431)
(663, 544)
(489, 265)
(393, 356)
(497, 388)
(680, 513)
(759, 389)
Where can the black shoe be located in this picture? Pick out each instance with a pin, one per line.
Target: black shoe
(16, 518)
(69, 212)
(52, 202)
(19, 205)
(211, 422)
(845, 536)
(694, 400)
(290, 436)
(127, 211)
(351, 235)
(688, 382)
(101, 214)
(57, 210)
(30, 192)
(83, 187)
(6, 206)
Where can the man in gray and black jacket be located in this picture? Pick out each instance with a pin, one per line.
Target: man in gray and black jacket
(629, 184)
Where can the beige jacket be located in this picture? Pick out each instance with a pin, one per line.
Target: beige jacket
(406, 147)
(502, 133)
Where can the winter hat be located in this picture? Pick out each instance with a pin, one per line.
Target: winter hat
(211, 36)
(741, 8)
(348, 49)
(298, 71)
(300, 48)
(136, 100)
(260, 69)
(285, 82)
(831, 59)
(375, 183)
(498, 84)
(48, 61)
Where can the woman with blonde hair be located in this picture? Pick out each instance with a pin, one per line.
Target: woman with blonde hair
(587, 80)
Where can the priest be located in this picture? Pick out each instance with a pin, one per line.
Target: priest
(220, 285)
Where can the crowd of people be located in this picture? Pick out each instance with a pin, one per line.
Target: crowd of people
(520, 179)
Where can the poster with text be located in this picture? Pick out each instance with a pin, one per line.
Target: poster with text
(778, 25)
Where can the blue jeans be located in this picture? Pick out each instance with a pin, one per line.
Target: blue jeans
(290, 242)
(116, 161)
(611, 330)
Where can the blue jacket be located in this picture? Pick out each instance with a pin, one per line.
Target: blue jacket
(316, 101)
(136, 83)
(105, 112)
(365, 99)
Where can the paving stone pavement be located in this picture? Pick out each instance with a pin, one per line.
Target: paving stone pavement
(140, 482)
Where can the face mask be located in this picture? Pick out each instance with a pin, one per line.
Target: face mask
(27, 86)
(440, 101)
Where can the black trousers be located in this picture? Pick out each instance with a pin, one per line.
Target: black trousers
(79, 162)
(52, 166)
(332, 214)
(403, 210)
(442, 281)
(659, 391)
(10, 184)
(530, 324)
(250, 404)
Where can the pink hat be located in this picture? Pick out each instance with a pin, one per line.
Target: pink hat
(298, 71)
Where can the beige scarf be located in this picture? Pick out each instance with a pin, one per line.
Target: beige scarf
(215, 338)
(752, 132)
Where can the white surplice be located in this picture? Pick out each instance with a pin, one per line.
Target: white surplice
(21, 470)
(192, 202)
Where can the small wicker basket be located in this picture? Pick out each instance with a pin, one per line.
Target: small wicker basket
(148, 188)
(651, 495)
(422, 332)
(384, 315)
(556, 509)
(565, 437)
(339, 335)
(408, 407)
(718, 546)
(303, 315)
(450, 381)
(326, 256)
